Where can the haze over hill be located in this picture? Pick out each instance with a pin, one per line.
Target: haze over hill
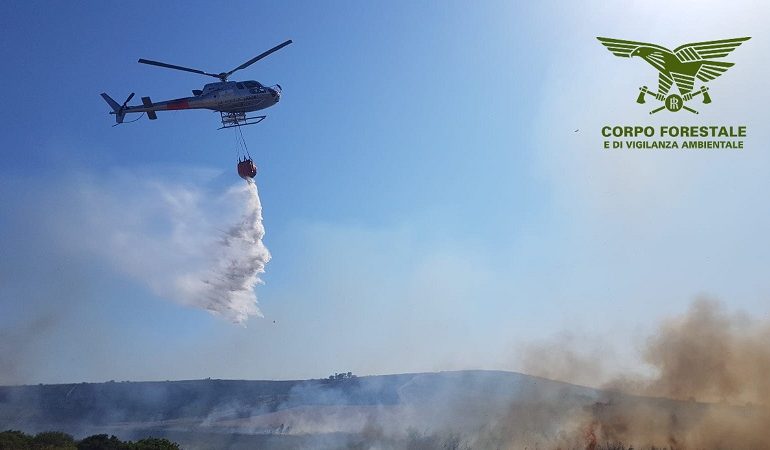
(479, 409)
(330, 411)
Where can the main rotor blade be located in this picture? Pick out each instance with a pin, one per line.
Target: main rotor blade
(171, 66)
(257, 58)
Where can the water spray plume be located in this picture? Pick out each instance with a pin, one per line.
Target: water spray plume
(241, 256)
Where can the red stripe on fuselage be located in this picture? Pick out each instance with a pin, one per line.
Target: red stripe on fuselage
(182, 104)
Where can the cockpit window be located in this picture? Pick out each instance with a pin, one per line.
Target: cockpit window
(240, 85)
(252, 84)
(212, 87)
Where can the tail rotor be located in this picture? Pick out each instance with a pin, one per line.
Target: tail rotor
(118, 110)
(127, 100)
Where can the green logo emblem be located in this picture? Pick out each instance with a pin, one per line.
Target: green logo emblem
(681, 67)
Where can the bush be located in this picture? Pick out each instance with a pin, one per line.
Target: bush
(15, 440)
(102, 442)
(53, 440)
(154, 444)
(56, 440)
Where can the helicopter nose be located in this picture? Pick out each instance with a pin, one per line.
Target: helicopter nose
(276, 94)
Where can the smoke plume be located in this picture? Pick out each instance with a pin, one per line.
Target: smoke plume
(711, 356)
(709, 387)
(717, 363)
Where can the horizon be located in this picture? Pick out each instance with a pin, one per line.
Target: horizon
(297, 380)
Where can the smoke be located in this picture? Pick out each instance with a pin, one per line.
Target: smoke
(18, 344)
(706, 355)
(710, 355)
(567, 357)
(709, 386)
(226, 288)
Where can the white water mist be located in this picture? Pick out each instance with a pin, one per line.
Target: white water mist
(240, 257)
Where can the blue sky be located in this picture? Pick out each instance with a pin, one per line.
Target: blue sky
(427, 203)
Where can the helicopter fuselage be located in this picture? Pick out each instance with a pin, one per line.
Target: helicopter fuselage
(228, 96)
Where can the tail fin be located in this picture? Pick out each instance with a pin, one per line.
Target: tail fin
(148, 104)
(116, 108)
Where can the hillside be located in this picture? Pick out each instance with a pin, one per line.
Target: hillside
(489, 405)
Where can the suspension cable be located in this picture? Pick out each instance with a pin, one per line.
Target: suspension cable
(238, 152)
(130, 121)
(246, 147)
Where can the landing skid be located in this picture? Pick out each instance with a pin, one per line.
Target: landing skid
(237, 119)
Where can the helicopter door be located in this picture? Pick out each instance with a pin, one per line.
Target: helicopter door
(225, 95)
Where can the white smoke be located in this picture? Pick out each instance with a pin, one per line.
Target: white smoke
(226, 287)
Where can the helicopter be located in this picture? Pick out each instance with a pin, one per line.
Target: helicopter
(232, 99)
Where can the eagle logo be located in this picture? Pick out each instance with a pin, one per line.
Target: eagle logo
(681, 67)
